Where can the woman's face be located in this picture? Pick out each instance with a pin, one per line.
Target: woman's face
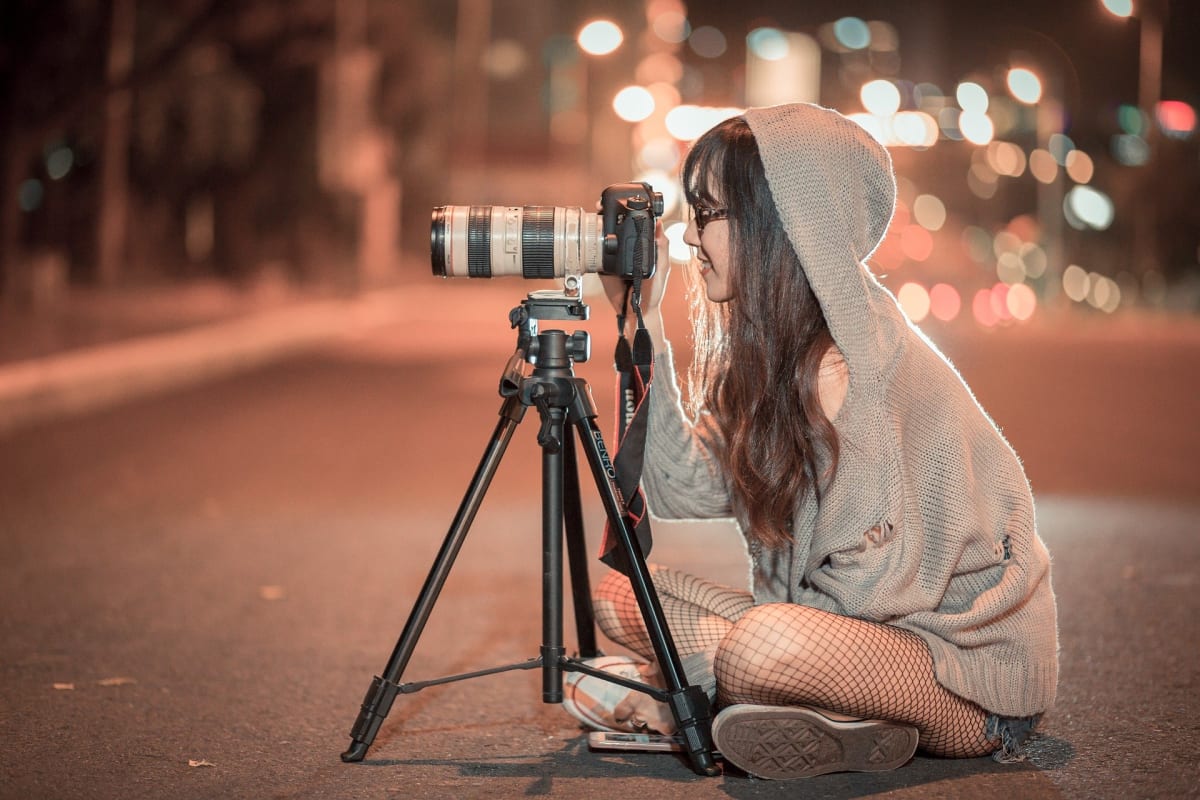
(710, 236)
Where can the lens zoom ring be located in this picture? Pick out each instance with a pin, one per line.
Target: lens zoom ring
(479, 242)
(537, 242)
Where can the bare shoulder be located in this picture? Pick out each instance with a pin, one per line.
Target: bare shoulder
(833, 381)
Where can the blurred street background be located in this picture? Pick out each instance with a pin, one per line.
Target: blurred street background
(237, 412)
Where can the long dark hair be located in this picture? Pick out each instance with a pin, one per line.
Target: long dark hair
(758, 356)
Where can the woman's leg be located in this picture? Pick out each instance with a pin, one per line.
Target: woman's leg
(699, 613)
(786, 654)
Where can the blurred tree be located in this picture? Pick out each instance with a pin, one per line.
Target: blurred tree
(53, 56)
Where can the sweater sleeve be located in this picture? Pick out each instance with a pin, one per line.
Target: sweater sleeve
(681, 476)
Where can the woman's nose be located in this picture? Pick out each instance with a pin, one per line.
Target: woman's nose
(691, 235)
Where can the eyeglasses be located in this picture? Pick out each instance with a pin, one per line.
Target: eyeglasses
(704, 215)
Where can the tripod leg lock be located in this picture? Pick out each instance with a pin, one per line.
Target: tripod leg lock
(375, 708)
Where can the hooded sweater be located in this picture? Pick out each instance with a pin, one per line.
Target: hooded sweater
(928, 522)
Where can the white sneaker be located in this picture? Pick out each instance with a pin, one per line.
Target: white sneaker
(593, 700)
(785, 742)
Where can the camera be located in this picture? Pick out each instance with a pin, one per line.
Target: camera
(549, 241)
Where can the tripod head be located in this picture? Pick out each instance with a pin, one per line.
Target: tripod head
(551, 352)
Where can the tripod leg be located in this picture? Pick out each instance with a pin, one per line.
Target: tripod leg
(581, 591)
(383, 690)
(689, 704)
(552, 651)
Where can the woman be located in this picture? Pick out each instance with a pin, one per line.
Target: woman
(900, 592)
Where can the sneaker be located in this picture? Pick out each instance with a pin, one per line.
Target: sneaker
(593, 701)
(785, 742)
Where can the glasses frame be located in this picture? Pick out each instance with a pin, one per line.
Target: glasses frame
(704, 215)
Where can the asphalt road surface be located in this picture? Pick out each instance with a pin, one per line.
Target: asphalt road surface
(196, 589)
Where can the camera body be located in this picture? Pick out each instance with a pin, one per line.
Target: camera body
(549, 241)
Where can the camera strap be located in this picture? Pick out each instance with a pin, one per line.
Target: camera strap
(635, 371)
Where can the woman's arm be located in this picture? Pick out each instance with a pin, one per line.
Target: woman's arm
(681, 474)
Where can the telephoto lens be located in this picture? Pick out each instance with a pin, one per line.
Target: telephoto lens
(522, 241)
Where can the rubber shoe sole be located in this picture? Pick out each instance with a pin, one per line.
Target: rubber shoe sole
(787, 742)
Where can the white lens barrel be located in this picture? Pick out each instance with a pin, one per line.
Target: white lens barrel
(522, 241)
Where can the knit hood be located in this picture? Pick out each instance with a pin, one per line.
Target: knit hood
(835, 191)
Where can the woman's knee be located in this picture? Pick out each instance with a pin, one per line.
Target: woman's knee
(768, 642)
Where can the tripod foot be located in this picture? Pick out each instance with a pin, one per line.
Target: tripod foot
(694, 718)
(356, 752)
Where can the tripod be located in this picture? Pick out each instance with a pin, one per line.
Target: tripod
(560, 398)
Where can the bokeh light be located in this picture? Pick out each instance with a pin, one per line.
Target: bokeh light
(1020, 301)
(914, 300)
(1075, 282)
(948, 121)
(852, 33)
(998, 299)
(59, 162)
(929, 212)
(671, 26)
(707, 42)
(688, 122)
(1060, 146)
(972, 97)
(769, 44)
(1024, 85)
(915, 129)
(1033, 258)
(1009, 268)
(1089, 206)
(1103, 293)
(1043, 166)
(916, 243)
(976, 127)
(1176, 118)
(600, 37)
(872, 125)
(981, 307)
(633, 103)
(1130, 149)
(1006, 158)
(1120, 8)
(1080, 166)
(944, 302)
(880, 97)
(1131, 120)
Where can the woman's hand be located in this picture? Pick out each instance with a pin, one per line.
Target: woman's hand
(640, 712)
(652, 288)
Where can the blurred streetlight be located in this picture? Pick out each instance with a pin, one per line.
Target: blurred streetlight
(1150, 15)
(1118, 8)
(1024, 85)
(600, 37)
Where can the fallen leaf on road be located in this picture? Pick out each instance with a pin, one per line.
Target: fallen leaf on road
(65, 687)
(271, 592)
(115, 681)
(202, 762)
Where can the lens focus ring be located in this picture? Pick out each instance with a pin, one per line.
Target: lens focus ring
(479, 242)
(537, 242)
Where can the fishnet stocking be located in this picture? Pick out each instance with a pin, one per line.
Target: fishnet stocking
(786, 654)
(699, 613)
